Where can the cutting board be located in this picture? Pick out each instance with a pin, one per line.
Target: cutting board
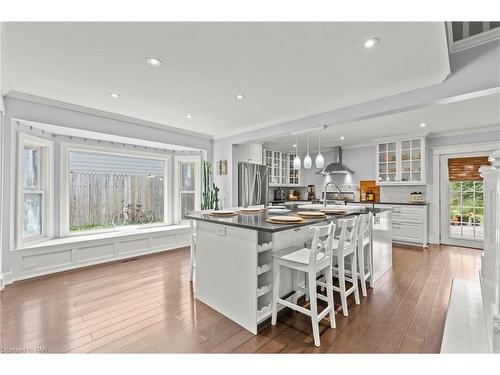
(366, 185)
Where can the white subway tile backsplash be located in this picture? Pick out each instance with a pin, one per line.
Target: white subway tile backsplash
(401, 193)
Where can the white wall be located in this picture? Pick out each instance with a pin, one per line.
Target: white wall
(223, 150)
(1, 156)
(360, 159)
(18, 109)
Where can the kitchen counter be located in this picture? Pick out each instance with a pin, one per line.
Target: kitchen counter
(234, 257)
(389, 203)
(258, 221)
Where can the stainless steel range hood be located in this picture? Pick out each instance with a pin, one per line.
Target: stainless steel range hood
(336, 167)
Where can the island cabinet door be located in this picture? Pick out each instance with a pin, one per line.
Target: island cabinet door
(226, 279)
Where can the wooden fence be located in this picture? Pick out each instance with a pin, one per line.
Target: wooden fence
(95, 197)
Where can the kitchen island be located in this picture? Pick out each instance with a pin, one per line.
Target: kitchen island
(234, 259)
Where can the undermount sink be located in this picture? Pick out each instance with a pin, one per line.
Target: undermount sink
(319, 206)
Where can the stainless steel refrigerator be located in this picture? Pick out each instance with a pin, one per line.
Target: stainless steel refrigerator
(253, 184)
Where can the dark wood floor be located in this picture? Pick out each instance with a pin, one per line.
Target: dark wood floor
(147, 305)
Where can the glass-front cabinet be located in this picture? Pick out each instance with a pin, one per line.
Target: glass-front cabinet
(281, 172)
(401, 162)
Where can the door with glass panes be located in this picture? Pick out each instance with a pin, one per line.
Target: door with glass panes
(462, 209)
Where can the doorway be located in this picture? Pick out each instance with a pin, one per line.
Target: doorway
(462, 210)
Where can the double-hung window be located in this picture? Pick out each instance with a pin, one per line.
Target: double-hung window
(35, 187)
(187, 184)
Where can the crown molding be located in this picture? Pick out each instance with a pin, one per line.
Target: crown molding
(489, 146)
(452, 133)
(97, 112)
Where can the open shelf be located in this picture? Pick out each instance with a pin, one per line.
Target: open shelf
(264, 289)
(264, 268)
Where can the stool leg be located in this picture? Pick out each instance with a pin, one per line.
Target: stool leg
(354, 274)
(295, 284)
(307, 287)
(343, 296)
(362, 273)
(370, 263)
(191, 261)
(314, 307)
(276, 291)
(329, 296)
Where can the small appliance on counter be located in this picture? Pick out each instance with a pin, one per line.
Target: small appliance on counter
(279, 195)
(370, 197)
(311, 192)
(416, 197)
(294, 195)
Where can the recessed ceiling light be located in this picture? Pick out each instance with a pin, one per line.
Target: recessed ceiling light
(369, 43)
(294, 145)
(423, 125)
(342, 138)
(240, 96)
(114, 95)
(189, 116)
(153, 61)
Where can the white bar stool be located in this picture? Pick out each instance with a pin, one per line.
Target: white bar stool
(345, 248)
(311, 261)
(365, 270)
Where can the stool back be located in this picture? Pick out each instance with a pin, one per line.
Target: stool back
(348, 235)
(365, 225)
(322, 241)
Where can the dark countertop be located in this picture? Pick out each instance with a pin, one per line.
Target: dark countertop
(402, 203)
(258, 222)
(360, 202)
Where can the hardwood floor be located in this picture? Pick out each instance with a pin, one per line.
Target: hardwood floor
(146, 305)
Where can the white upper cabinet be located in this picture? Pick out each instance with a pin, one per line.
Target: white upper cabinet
(249, 152)
(401, 161)
(281, 172)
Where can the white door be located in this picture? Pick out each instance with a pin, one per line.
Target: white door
(462, 211)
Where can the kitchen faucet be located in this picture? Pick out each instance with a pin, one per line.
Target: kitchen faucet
(324, 191)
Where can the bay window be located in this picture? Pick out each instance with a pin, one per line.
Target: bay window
(187, 184)
(35, 159)
(108, 189)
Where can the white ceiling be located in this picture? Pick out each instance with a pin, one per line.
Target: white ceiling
(286, 70)
(482, 112)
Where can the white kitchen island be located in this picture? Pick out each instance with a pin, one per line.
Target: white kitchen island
(234, 261)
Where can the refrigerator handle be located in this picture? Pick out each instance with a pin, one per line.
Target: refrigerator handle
(252, 191)
(245, 185)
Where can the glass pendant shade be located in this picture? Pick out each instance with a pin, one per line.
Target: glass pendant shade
(296, 162)
(296, 159)
(307, 159)
(320, 161)
(307, 162)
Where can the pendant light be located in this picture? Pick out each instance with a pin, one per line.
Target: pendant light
(296, 159)
(320, 160)
(307, 159)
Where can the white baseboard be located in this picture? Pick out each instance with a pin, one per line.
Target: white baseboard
(6, 278)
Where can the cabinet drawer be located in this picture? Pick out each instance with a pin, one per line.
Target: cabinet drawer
(408, 230)
(400, 217)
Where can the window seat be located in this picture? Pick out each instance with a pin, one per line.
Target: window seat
(78, 251)
(104, 235)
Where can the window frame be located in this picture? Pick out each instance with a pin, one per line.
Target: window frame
(45, 188)
(66, 148)
(177, 179)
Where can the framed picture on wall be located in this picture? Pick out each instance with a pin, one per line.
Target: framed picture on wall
(221, 167)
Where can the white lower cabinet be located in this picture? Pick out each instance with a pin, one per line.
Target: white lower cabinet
(409, 223)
